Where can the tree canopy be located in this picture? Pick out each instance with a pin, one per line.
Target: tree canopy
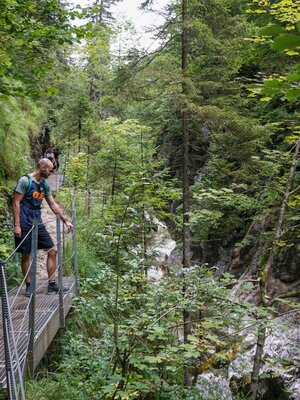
(200, 135)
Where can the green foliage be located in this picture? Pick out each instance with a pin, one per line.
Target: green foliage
(5, 229)
(72, 110)
(29, 31)
(217, 210)
(19, 120)
(149, 357)
(76, 169)
(239, 176)
(147, 334)
(283, 32)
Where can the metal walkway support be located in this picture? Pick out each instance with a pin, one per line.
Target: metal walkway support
(59, 269)
(9, 345)
(73, 220)
(31, 327)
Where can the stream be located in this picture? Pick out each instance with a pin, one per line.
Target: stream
(160, 248)
(281, 344)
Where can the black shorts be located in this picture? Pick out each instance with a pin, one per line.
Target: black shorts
(44, 240)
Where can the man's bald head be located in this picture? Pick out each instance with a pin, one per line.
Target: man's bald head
(45, 163)
(45, 167)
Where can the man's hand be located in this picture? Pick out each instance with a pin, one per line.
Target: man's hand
(17, 231)
(69, 226)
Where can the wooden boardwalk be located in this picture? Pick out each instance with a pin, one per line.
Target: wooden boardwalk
(47, 322)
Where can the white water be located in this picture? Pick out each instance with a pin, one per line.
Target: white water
(160, 249)
(282, 343)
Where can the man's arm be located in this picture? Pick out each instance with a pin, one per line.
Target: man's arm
(58, 211)
(17, 198)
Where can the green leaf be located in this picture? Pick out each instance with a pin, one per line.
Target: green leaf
(269, 92)
(153, 360)
(265, 376)
(274, 83)
(293, 77)
(271, 30)
(295, 218)
(292, 53)
(115, 378)
(292, 94)
(109, 389)
(158, 329)
(122, 393)
(51, 91)
(287, 41)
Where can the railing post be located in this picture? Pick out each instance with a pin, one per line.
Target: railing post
(56, 179)
(16, 258)
(59, 268)
(10, 378)
(34, 242)
(63, 239)
(73, 217)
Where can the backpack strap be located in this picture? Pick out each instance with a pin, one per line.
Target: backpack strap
(29, 184)
(46, 184)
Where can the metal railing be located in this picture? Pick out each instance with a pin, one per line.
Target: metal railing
(14, 361)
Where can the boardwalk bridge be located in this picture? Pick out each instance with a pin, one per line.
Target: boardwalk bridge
(28, 325)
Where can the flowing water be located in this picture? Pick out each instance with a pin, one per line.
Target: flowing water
(160, 249)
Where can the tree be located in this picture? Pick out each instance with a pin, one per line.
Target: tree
(283, 33)
(30, 32)
(186, 234)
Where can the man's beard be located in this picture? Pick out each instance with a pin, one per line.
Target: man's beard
(44, 174)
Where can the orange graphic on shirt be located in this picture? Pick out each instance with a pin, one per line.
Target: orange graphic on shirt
(38, 195)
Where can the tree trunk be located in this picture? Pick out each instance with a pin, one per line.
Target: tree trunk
(87, 183)
(185, 137)
(261, 336)
(79, 134)
(279, 224)
(143, 216)
(113, 185)
(186, 239)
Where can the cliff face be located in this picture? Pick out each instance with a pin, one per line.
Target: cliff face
(286, 273)
(246, 261)
(246, 258)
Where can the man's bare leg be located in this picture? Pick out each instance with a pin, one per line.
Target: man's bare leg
(25, 262)
(51, 264)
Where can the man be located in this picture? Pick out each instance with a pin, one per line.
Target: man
(56, 153)
(50, 155)
(28, 196)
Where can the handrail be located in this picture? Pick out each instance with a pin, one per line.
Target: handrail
(17, 248)
(14, 367)
(8, 337)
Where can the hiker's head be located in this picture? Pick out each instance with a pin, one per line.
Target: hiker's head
(45, 167)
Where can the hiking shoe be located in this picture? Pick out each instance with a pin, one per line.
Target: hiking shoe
(28, 291)
(54, 289)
